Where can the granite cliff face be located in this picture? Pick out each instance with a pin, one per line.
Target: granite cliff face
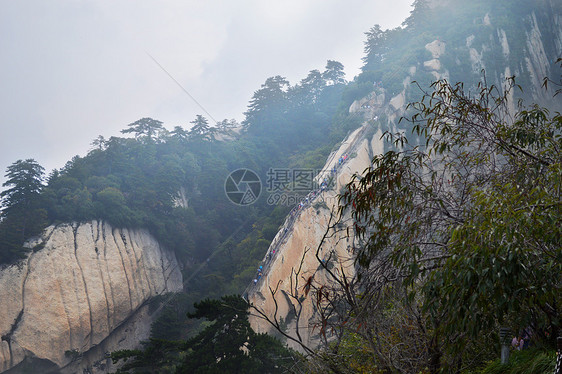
(82, 290)
(308, 237)
(525, 48)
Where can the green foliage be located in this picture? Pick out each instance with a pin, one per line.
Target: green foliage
(146, 129)
(171, 323)
(157, 356)
(22, 215)
(111, 203)
(506, 247)
(25, 182)
(227, 344)
(356, 355)
(470, 219)
(471, 216)
(461, 26)
(334, 73)
(357, 90)
(200, 129)
(230, 345)
(530, 361)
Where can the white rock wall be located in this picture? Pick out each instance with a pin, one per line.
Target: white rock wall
(73, 293)
(301, 243)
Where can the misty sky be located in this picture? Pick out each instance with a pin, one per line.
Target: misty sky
(72, 70)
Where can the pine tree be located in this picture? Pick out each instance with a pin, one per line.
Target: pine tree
(21, 213)
(201, 129)
(334, 73)
(145, 128)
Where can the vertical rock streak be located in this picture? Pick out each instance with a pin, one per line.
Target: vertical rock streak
(104, 281)
(84, 283)
(124, 267)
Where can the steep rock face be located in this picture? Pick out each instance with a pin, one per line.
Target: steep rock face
(293, 257)
(525, 48)
(70, 295)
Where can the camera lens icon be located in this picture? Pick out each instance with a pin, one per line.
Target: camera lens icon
(242, 187)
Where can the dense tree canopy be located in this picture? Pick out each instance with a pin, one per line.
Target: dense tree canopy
(171, 183)
(230, 345)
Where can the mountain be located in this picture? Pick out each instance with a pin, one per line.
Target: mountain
(115, 227)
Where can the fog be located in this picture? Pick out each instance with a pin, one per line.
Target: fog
(73, 70)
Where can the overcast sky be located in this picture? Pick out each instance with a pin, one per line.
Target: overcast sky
(72, 70)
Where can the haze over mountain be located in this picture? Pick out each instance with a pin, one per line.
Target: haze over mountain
(71, 71)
